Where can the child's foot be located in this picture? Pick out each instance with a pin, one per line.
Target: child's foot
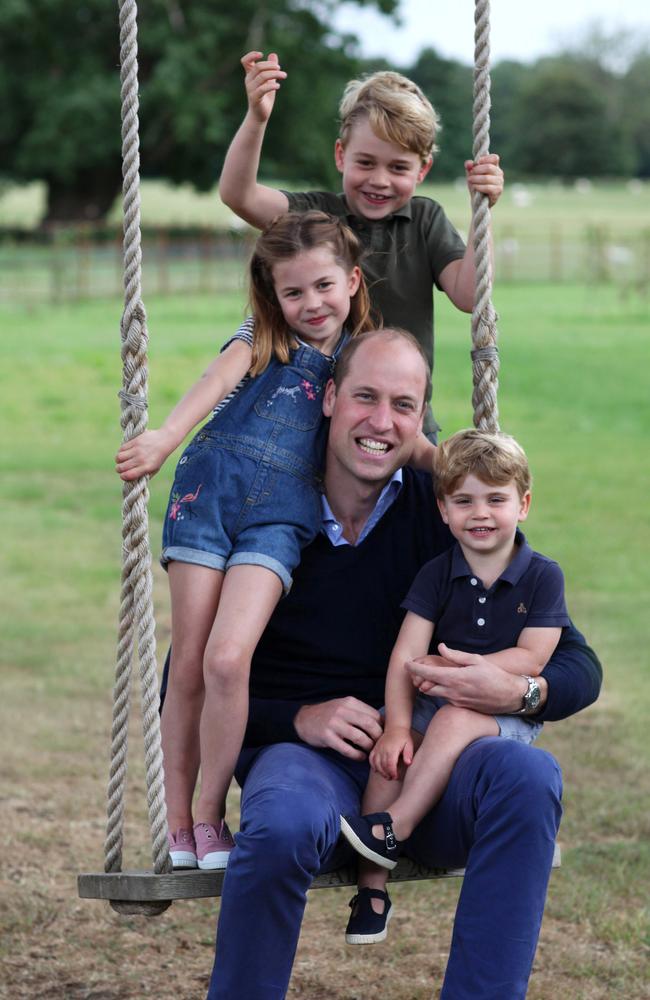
(358, 831)
(182, 849)
(213, 844)
(365, 926)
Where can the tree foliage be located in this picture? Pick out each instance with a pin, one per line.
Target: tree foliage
(584, 112)
(60, 102)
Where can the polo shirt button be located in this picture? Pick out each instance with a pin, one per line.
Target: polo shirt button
(481, 621)
(473, 581)
(482, 600)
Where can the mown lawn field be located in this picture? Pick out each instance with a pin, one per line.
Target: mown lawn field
(573, 390)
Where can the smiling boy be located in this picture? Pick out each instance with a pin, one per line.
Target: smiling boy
(489, 594)
(384, 150)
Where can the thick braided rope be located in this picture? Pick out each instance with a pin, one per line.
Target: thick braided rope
(136, 604)
(485, 354)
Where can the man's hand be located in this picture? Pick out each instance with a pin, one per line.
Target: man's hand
(262, 81)
(486, 176)
(394, 745)
(344, 724)
(143, 455)
(480, 685)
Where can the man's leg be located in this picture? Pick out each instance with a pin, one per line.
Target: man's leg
(499, 818)
(291, 803)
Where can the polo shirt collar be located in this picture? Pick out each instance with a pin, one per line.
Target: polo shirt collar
(511, 574)
(402, 213)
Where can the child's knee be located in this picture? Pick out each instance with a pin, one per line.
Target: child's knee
(227, 665)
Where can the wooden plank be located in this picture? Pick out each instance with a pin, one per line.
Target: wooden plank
(142, 886)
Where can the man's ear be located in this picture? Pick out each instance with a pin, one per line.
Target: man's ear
(424, 169)
(442, 509)
(339, 155)
(329, 398)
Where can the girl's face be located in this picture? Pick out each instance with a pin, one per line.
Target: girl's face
(314, 293)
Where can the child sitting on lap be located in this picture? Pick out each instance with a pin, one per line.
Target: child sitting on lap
(489, 594)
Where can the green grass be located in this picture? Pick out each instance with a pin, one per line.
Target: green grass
(574, 392)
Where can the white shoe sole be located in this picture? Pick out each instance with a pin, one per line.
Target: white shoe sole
(362, 849)
(183, 859)
(370, 938)
(214, 861)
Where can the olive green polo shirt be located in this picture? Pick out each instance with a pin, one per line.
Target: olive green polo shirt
(405, 255)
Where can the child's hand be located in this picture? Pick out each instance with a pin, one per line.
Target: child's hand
(431, 660)
(392, 745)
(485, 176)
(143, 455)
(262, 80)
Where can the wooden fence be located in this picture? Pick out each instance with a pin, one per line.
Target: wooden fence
(74, 264)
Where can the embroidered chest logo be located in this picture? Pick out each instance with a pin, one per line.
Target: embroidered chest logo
(305, 387)
(176, 511)
(522, 609)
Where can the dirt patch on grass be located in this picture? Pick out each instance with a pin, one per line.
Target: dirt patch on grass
(54, 945)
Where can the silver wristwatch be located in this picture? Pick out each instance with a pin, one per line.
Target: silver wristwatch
(532, 698)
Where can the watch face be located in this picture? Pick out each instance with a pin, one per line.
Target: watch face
(532, 697)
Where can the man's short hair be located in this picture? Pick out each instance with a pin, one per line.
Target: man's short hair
(391, 333)
(494, 458)
(396, 109)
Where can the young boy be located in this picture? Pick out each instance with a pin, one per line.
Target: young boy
(489, 594)
(384, 150)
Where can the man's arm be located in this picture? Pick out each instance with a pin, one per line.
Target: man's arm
(570, 680)
(256, 203)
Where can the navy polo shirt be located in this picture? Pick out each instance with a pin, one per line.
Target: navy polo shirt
(528, 594)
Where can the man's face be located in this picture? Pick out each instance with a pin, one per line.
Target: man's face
(379, 177)
(376, 413)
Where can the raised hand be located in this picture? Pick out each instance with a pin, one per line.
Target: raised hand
(262, 80)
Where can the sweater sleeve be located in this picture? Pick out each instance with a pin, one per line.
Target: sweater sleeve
(270, 720)
(574, 676)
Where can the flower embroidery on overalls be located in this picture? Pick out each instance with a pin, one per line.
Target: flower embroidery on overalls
(175, 512)
(310, 390)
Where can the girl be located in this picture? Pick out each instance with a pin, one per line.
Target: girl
(243, 504)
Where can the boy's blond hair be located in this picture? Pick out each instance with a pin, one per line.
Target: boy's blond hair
(396, 109)
(495, 459)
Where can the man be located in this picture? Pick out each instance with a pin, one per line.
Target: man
(317, 683)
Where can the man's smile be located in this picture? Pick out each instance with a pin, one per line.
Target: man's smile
(372, 446)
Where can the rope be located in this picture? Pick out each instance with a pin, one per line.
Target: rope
(485, 354)
(136, 605)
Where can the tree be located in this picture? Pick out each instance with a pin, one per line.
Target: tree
(565, 125)
(636, 110)
(448, 85)
(59, 92)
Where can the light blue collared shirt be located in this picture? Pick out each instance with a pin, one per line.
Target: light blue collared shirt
(334, 529)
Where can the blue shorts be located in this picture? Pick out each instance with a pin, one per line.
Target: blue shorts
(511, 727)
(229, 509)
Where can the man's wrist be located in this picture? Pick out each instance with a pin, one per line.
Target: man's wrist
(529, 706)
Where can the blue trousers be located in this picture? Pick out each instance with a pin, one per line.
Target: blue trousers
(498, 817)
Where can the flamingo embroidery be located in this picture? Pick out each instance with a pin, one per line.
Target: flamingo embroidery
(175, 512)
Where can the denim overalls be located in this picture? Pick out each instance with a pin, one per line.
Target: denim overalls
(246, 488)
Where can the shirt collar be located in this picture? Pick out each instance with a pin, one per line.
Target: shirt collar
(332, 527)
(513, 571)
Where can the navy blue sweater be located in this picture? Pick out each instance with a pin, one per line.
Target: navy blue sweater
(332, 636)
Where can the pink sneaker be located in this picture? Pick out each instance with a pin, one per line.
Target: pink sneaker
(182, 849)
(213, 844)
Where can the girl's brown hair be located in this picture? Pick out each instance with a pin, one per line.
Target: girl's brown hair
(284, 238)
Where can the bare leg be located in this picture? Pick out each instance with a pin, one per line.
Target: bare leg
(248, 597)
(450, 731)
(379, 794)
(195, 594)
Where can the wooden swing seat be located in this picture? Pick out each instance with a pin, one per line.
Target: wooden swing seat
(146, 887)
